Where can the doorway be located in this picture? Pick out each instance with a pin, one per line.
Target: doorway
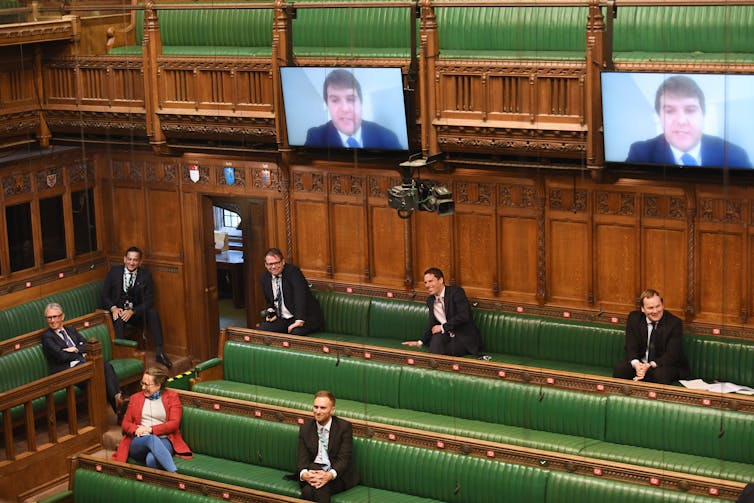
(238, 234)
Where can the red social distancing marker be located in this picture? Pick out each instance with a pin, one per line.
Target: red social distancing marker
(456, 367)
(713, 491)
(614, 319)
(440, 444)
(501, 373)
(490, 454)
(519, 309)
(216, 406)
(61, 275)
(325, 349)
(28, 284)
(410, 361)
(652, 394)
(98, 468)
(391, 436)
(716, 331)
(226, 496)
(550, 380)
(300, 420)
(286, 344)
(600, 387)
(654, 481)
(706, 402)
(597, 472)
(566, 314)
(181, 486)
(349, 290)
(257, 413)
(246, 338)
(390, 295)
(367, 355)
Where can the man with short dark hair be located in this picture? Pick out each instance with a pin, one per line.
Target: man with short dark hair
(451, 330)
(654, 344)
(325, 448)
(65, 348)
(291, 306)
(128, 293)
(342, 94)
(680, 105)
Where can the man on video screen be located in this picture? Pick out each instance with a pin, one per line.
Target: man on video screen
(680, 104)
(342, 94)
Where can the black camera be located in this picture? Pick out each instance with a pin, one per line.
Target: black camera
(270, 313)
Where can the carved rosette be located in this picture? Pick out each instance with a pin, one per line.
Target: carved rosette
(657, 206)
(615, 203)
(516, 196)
(474, 193)
(722, 211)
(346, 185)
(14, 185)
(82, 172)
(568, 200)
(308, 182)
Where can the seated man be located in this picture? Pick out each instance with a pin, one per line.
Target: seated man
(654, 344)
(128, 294)
(451, 329)
(64, 348)
(325, 446)
(291, 306)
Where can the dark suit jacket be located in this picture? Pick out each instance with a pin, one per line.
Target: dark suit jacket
(372, 136)
(668, 341)
(459, 319)
(715, 152)
(297, 296)
(141, 294)
(53, 346)
(339, 449)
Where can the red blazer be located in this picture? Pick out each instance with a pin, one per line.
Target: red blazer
(171, 426)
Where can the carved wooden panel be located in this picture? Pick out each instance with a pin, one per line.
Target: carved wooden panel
(169, 298)
(165, 222)
(349, 250)
(518, 255)
(130, 220)
(433, 246)
(387, 241)
(476, 249)
(616, 269)
(312, 236)
(664, 265)
(569, 263)
(720, 268)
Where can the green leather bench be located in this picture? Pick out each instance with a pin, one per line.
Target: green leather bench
(93, 487)
(29, 364)
(29, 316)
(644, 432)
(239, 449)
(521, 339)
(208, 32)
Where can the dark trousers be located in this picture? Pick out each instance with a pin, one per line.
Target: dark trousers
(324, 493)
(659, 375)
(281, 325)
(444, 344)
(137, 320)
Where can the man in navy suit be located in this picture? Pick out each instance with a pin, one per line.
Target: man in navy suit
(451, 330)
(291, 306)
(654, 344)
(679, 102)
(65, 348)
(342, 94)
(128, 293)
(325, 447)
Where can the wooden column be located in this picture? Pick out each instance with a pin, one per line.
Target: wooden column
(430, 50)
(595, 62)
(151, 49)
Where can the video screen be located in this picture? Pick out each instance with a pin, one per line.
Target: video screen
(687, 120)
(348, 108)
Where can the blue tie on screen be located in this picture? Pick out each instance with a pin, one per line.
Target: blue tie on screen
(688, 160)
(352, 142)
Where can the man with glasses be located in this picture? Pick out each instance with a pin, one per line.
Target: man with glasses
(65, 348)
(291, 307)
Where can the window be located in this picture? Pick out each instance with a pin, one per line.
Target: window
(20, 239)
(231, 219)
(53, 229)
(84, 228)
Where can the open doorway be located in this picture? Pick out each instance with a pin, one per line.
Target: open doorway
(238, 234)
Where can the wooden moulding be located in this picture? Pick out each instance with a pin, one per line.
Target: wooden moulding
(493, 370)
(546, 460)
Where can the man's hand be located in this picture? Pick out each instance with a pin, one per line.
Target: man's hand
(125, 314)
(641, 371)
(317, 478)
(295, 324)
(71, 350)
(116, 312)
(413, 344)
(437, 329)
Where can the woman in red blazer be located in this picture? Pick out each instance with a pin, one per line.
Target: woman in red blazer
(151, 425)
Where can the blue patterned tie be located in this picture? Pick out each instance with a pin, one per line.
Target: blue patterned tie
(280, 296)
(352, 142)
(323, 448)
(688, 160)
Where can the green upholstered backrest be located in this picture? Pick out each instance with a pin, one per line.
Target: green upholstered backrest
(102, 334)
(512, 334)
(568, 487)
(29, 316)
(344, 313)
(22, 367)
(347, 378)
(240, 438)
(511, 29)
(94, 487)
(708, 432)
(580, 342)
(684, 29)
(360, 32)
(718, 359)
(397, 319)
(514, 404)
(444, 476)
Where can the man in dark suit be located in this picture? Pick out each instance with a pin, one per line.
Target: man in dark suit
(342, 94)
(291, 306)
(680, 104)
(128, 294)
(65, 348)
(325, 446)
(654, 344)
(451, 330)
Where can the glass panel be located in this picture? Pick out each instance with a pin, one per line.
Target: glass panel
(84, 226)
(53, 229)
(20, 239)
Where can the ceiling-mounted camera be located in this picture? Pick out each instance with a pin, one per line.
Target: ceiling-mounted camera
(422, 195)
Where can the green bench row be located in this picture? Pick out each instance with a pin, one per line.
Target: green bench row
(29, 316)
(29, 363)
(707, 33)
(659, 435)
(521, 339)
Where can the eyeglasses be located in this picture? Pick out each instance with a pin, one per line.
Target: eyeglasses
(273, 264)
(147, 384)
(54, 316)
